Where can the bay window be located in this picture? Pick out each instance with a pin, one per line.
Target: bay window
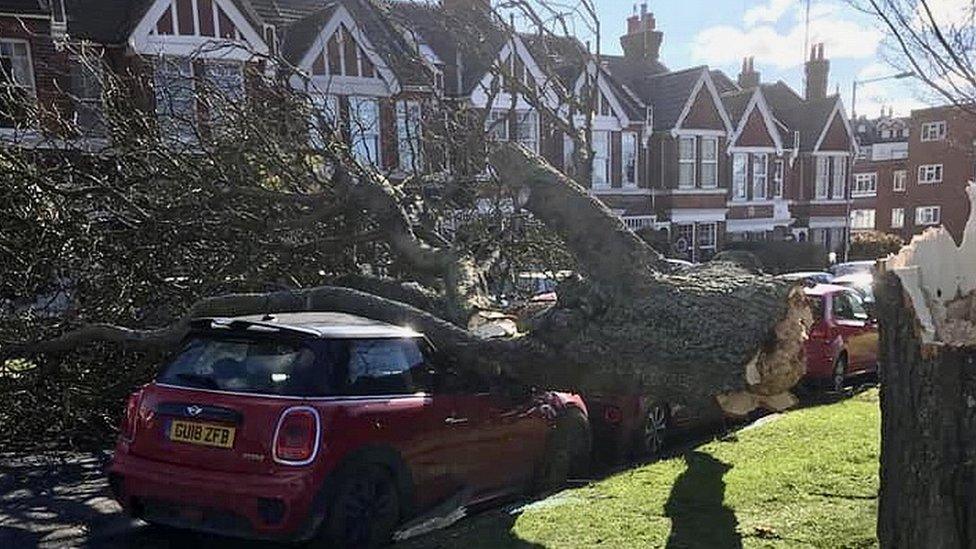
(409, 135)
(364, 131)
(527, 128)
(709, 163)
(840, 178)
(629, 161)
(174, 88)
(822, 189)
(760, 176)
(779, 171)
(739, 174)
(687, 160)
(601, 159)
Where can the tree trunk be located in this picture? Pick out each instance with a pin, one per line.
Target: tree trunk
(928, 433)
(927, 308)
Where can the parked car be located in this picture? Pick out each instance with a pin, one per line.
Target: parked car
(844, 338)
(329, 425)
(632, 426)
(852, 267)
(862, 283)
(808, 277)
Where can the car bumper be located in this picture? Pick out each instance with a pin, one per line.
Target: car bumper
(272, 507)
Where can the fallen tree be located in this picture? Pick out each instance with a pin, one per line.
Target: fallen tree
(626, 325)
(927, 306)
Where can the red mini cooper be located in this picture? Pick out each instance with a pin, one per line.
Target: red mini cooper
(329, 426)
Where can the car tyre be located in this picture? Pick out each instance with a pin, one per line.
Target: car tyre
(364, 509)
(838, 379)
(651, 437)
(567, 452)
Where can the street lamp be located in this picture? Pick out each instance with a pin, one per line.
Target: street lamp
(899, 76)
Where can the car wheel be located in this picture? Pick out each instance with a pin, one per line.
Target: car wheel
(567, 452)
(365, 508)
(652, 436)
(839, 378)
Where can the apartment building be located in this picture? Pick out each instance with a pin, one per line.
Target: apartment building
(912, 172)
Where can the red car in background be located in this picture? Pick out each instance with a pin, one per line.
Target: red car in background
(328, 425)
(844, 339)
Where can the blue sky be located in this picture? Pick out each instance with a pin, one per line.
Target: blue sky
(720, 32)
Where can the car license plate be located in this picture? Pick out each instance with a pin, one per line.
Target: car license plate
(203, 434)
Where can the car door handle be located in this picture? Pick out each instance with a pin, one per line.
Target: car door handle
(456, 420)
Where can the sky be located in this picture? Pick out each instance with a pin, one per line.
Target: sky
(719, 33)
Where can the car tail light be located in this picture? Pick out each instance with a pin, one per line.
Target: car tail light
(131, 418)
(613, 415)
(296, 439)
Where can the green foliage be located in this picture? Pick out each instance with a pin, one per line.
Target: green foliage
(871, 245)
(779, 257)
(807, 479)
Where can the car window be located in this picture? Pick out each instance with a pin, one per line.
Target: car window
(386, 367)
(244, 365)
(816, 307)
(848, 306)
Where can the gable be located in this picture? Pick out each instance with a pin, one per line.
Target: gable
(521, 65)
(836, 138)
(755, 132)
(703, 114)
(342, 55)
(194, 27)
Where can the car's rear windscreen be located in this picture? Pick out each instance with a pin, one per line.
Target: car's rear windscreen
(305, 368)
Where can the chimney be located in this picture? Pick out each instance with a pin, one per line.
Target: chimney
(643, 41)
(818, 73)
(749, 78)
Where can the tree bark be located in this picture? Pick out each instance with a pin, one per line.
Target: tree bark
(928, 433)
(927, 308)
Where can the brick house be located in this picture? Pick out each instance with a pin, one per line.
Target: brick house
(920, 166)
(32, 67)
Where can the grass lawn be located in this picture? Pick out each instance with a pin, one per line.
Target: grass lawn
(806, 479)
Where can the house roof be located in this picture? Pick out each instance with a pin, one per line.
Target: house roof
(723, 83)
(793, 113)
(112, 21)
(668, 93)
(466, 39)
(735, 104)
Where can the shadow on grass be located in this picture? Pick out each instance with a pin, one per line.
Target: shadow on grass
(699, 516)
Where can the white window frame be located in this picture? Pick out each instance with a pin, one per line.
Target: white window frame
(740, 176)
(839, 179)
(707, 237)
(709, 162)
(779, 175)
(629, 147)
(899, 181)
(685, 162)
(496, 125)
(926, 216)
(184, 124)
(366, 141)
(865, 185)
(863, 219)
(601, 159)
(87, 99)
(525, 122)
(935, 131)
(931, 174)
(760, 176)
(898, 218)
(409, 133)
(822, 188)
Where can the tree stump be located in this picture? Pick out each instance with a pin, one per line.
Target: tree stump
(926, 299)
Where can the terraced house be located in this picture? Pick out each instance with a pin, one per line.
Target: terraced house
(691, 153)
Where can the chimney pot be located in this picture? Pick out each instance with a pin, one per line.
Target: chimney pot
(817, 74)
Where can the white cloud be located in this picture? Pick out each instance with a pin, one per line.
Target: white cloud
(844, 38)
(770, 12)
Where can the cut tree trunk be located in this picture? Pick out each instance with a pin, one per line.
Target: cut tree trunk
(927, 308)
